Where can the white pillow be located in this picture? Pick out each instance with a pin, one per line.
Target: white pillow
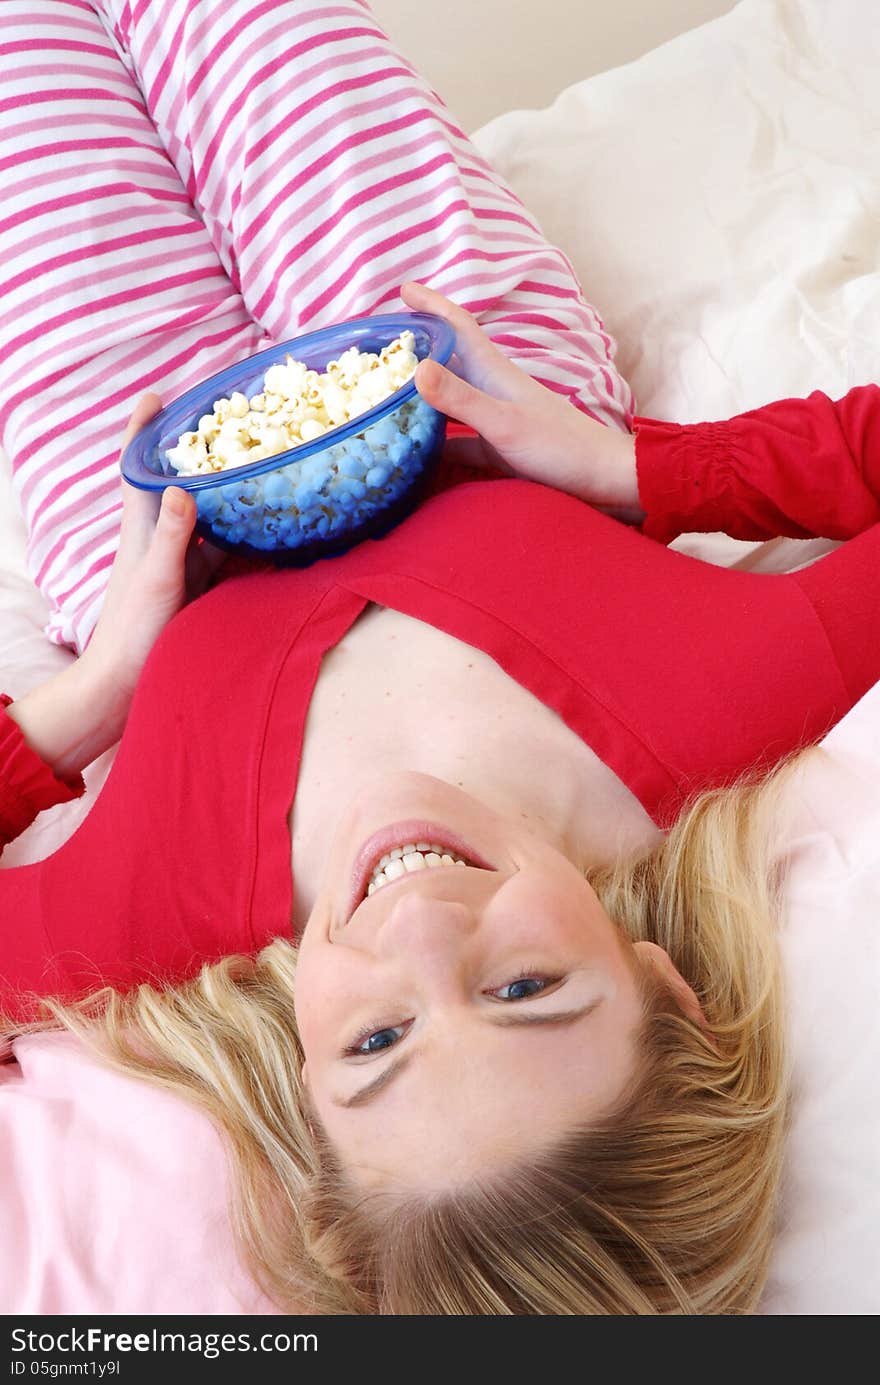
(721, 197)
(826, 1257)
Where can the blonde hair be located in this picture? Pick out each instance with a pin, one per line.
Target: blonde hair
(665, 1206)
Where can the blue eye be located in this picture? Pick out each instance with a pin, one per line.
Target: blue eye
(522, 988)
(376, 1040)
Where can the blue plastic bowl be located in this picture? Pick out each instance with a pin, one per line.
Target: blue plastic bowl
(352, 483)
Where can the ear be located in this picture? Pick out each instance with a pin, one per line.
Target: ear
(659, 961)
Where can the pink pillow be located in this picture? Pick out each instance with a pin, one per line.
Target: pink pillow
(116, 1195)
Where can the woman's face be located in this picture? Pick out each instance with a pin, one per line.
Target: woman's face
(458, 1017)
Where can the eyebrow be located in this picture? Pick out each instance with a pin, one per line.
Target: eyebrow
(558, 1019)
(377, 1084)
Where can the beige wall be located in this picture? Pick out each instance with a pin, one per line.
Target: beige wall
(489, 56)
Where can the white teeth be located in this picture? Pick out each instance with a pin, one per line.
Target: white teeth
(403, 860)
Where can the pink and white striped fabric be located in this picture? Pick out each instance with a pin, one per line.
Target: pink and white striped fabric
(187, 181)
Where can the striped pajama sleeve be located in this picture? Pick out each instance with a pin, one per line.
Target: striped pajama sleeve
(191, 180)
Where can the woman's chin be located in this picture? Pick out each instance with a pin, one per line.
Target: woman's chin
(402, 794)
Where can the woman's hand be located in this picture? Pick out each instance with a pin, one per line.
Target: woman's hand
(158, 568)
(531, 431)
(77, 715)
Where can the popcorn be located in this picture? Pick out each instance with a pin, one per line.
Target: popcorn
(311, 428)
(296, 405)
(331, 494)
(335, 401)
(287, 380)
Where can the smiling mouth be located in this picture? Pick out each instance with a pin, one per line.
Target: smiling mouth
(406, 860)
(400, 849)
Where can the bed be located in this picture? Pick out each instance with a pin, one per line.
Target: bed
(719, 201)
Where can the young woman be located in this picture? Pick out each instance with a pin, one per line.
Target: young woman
(538, 1066)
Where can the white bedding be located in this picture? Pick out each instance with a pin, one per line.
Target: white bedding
(720, 202)
(826, 1258)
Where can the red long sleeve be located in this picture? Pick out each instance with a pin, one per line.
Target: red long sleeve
(27, 784)
(801, 468)
(678, 675)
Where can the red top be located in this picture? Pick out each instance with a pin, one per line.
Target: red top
(677, 673)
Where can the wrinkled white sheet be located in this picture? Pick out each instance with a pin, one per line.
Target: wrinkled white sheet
(720, 202)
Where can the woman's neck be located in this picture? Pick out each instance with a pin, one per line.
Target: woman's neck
(396, 694)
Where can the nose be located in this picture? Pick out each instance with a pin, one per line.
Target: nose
(428, 929)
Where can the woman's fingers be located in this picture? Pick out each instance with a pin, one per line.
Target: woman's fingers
(139, 508)
(424, 299)
(173, 555)
(480, 360)
(455, 367)
(472, 346)
(165, 559)
(146, 408)
(451, 394)
(156, 528)
(427, 300)
(492, 418)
